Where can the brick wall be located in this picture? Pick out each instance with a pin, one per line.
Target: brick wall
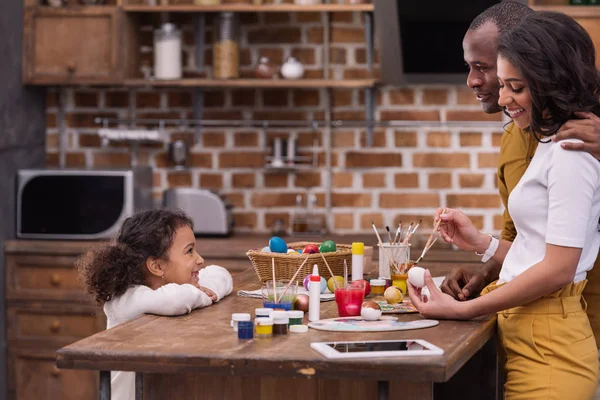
(405, 175)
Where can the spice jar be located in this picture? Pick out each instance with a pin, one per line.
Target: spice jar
(167, 52)
(264, 68)
(226, 49)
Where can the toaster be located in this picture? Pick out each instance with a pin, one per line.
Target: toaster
(211, 213)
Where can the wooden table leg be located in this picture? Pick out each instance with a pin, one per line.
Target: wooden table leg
(139, 386)
(104, 385)
(383, 390)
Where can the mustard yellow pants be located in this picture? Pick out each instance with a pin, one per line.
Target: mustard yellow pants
(549, 347)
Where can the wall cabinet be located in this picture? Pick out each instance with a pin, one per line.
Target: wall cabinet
(81, 45)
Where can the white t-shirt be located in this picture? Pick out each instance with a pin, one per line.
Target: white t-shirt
(557, 201)
(171, 299)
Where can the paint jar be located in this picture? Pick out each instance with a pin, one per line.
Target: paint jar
(400, 254)
(377, 287)
(399, 280)
(263, 312)
(245, 330)
(280, 325)
(264, 327)
(296, 317)
(236, 318)
(280, 297)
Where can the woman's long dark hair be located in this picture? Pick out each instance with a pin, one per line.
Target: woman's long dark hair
(556, 57)
(108, 271)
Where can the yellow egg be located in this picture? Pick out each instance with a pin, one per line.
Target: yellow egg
(393, 295)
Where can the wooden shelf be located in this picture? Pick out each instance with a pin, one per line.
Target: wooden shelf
(572, 11)
(257, 83)
(252, 8)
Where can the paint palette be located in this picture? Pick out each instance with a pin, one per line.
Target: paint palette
(358, 324)
(405, 307)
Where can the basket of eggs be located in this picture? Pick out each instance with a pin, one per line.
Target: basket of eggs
(289, 257)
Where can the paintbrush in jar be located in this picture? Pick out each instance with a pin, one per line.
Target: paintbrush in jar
(398, 232)
(274, 281)
(387, 228)
(411, 232)
(383, 248)
(293, 277)
(406, 238)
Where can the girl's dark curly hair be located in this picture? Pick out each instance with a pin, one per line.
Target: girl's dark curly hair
(556, 56)
(108, 271)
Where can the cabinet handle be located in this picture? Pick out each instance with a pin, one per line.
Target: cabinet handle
(55, 326)
(55, 279)
(55, 372)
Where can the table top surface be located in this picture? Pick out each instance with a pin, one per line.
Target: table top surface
(204, 342)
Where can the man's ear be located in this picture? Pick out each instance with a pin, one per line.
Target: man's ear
(155, 266)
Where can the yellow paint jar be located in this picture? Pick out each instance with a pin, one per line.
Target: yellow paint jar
(264, 327)
(399, 280)
(377, 287)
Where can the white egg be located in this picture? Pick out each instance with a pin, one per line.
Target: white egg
(416, 276)
(370, 314)
(266, 249)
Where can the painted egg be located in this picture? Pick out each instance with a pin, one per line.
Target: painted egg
(277, 245)
(310, 249)
(327, 246)
(370, 311)
(416, 276)
(292, 251)
(306, 282)
(393, 295)
(266, 249)
(301, 303)
(299, 251)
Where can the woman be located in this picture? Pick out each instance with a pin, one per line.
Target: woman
(547, 74)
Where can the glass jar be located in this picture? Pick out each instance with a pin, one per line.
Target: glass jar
(167, 52)
(207, 2)
(226, 48)
(377, 287)
(264, 68)
(399, 280)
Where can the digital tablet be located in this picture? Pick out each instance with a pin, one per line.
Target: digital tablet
(377, 348)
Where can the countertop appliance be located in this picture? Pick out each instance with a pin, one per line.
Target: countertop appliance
(79, 204)
(210, 212)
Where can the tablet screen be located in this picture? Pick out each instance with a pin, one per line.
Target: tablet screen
(358, 347)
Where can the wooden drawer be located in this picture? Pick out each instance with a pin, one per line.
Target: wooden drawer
(55, 324)
(35, 376)
(73, 45)
(39, 277)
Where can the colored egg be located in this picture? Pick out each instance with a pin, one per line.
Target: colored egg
(291, 251)
(266, 249)
(306, 282)
(299, 251)
(301, 303)
(327, 246)
(277, 245)
(310, 249)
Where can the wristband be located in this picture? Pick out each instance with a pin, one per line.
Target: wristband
(490, 251)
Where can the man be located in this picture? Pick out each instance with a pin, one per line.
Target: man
(517, 148)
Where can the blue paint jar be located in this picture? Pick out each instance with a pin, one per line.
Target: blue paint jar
(245, 330)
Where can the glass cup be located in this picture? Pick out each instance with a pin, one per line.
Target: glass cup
(276, 298)
(350, 298)
(400, 253)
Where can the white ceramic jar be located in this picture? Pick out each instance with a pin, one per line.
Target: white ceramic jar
(167, 52)
(292, 68)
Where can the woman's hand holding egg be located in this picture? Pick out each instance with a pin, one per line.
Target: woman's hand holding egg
(437, 304)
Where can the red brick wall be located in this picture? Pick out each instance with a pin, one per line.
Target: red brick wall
(406, 174)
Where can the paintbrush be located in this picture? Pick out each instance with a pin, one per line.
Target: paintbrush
(411, 232)
(345, 273)
(431, 240)
(398, 231)
(407, 238)
(387, 228)
(383, 248)
(293, 277)
(425, 250)
(274, 281)
(335, 285)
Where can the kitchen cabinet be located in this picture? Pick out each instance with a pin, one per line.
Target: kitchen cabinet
(80, 45)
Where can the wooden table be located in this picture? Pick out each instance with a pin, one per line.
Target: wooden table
(198, 356)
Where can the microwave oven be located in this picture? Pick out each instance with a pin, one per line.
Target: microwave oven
(79, 204)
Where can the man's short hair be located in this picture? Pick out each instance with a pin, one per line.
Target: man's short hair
(505, 15)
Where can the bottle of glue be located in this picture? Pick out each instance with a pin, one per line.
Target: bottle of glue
(358, 257)
(314, 295)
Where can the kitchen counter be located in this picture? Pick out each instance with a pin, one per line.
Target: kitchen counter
(198, 356)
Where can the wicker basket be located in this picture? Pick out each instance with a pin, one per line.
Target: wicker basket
(286, 265)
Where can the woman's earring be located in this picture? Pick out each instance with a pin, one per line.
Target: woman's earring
(162, 276)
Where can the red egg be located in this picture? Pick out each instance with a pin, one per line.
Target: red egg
(301, 303)
(310, 249)
(367, 286)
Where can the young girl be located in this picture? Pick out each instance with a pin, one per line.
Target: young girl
(152, 267)
(547, 74)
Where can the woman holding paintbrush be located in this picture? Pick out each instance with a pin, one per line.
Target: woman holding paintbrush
(547, 73)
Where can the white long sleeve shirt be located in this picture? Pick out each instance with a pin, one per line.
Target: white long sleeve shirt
(557, 201)
(171, 299)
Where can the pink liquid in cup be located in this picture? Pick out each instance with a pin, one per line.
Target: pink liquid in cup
(350, 299)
